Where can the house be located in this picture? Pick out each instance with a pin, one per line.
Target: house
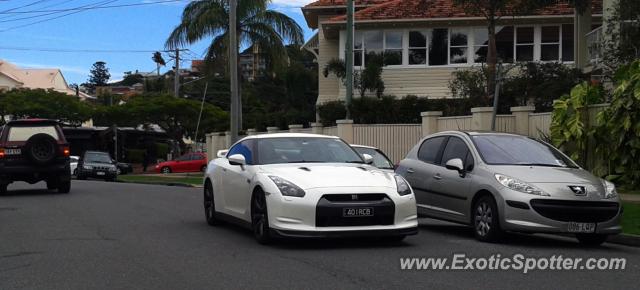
(12, 77)
(425, 41)
(252, 63)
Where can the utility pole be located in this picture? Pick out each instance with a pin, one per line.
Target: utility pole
(204, 95)
(349, 57)
(176, 77)
(233, 70)
(496, 95)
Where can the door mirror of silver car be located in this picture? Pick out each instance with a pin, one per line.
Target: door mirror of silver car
(237, 159)
(455, 164)
(222, 153)
(368, 159)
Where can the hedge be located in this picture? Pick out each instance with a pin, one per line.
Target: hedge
(391, 110)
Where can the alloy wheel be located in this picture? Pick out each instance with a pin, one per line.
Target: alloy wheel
(483, 219)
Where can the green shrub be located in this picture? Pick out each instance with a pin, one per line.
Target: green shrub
(391, 110)
(134, 155)
(162, 149)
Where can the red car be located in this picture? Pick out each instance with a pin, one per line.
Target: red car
(191, 162)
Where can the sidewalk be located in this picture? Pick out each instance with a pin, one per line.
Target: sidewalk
(635, 198)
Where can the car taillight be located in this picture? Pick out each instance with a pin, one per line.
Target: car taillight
(66, 152)
(1, 152)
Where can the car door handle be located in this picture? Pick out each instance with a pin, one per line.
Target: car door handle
(437, 176)
(410, 170)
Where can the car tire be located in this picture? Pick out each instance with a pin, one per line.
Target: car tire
(591, 240)
(203, 168)
(41, 149)
(486, 221)
(52, 184)
(210, 205)
(64, 186)
(260, 218)
(119, 171)
(75, 172)
(165, 170)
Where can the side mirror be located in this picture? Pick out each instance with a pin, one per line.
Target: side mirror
(457, 165)
(222, 153)
(368, 159)
(237, 159)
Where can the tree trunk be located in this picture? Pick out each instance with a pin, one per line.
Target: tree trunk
(492, 60)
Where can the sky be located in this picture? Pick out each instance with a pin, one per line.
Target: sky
(24, 36)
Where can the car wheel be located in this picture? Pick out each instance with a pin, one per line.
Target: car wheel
(203, 168)
(165, 170)
(486, 224)
(260, 218)
(52, 184)
(209, 205)
(591, 239)
(119, 171)
(75, 172)
(64, 186)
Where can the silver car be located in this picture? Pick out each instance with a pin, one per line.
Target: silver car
(499, 182)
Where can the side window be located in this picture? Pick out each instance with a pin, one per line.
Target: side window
(184, 157)
(243, 148)
(456, 148)
(197, 157)
(429, 149)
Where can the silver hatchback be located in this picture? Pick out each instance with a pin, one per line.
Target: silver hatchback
(499, 182)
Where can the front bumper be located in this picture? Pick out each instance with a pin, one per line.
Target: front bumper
(312, 216)
(96, 174)
(552, 215)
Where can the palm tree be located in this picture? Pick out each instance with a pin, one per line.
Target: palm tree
(257, 25)
(159, 60)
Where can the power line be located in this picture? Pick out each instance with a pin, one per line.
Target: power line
(52, 13)
(57, 17)
(65, 50)
(93, 8)
(23, 6)
(48, 6)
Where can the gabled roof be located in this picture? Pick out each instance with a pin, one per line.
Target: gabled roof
(428, 9)
(328, 3)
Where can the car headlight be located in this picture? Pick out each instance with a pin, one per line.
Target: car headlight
(609, 189)
(402, 185)
(87, 167)
(112, 169)
(519, 185)
(287, 187)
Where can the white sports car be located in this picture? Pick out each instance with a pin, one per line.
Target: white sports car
(305, 185)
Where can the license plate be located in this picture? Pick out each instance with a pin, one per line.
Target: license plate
(582, 227)
(100, 173)
(357, 212)
(12, 151)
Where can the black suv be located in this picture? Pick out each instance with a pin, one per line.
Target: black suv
(34, 150)
(97, 164)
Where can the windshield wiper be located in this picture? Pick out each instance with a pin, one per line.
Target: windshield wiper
(540, 164)
(305, 161)
(354, 161)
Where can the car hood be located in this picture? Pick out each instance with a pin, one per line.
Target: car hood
(541, 174)
(96, 164)
(313, 175)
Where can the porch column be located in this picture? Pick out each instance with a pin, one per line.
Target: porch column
(581, 26)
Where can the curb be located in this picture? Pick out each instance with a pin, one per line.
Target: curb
(624, 239)
(162, 183)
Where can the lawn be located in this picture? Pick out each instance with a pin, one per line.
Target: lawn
(154, 179)
(631, 218)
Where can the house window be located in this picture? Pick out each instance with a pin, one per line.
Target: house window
(358, 49)
(480, 44)
(373, 44)
(524, 44)
(567, 42)
(393, 47)
(458, 45)
(438, 48)
(417, 47)
(504, 43)
(550, 43)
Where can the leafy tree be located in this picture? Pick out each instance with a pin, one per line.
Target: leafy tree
(26, 103)
(257, 25)
(99, 75)
(159, 60)
(493, 11)
(131, 79)
(369, 79)
(622, 30)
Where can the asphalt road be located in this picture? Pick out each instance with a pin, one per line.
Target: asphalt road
(128, 236)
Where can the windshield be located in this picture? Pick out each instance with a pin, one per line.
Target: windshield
(304, 150)
(379, 159)
(519, 150)
(98, 158)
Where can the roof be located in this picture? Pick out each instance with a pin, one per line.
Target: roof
(288, 135)
(429, 9)
(333, 3)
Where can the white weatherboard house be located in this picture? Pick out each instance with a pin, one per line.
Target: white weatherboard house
(430, 39)
(12, 77)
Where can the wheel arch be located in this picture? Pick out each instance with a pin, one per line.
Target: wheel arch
(479, 194)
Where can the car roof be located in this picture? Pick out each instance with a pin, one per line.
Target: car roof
(363, 146)
(479, 133)
(288, 135)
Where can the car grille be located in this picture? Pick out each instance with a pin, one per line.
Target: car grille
(329, 210)
(101, 168)
(575, 211)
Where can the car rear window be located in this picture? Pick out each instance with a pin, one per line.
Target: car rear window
(24, 133)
